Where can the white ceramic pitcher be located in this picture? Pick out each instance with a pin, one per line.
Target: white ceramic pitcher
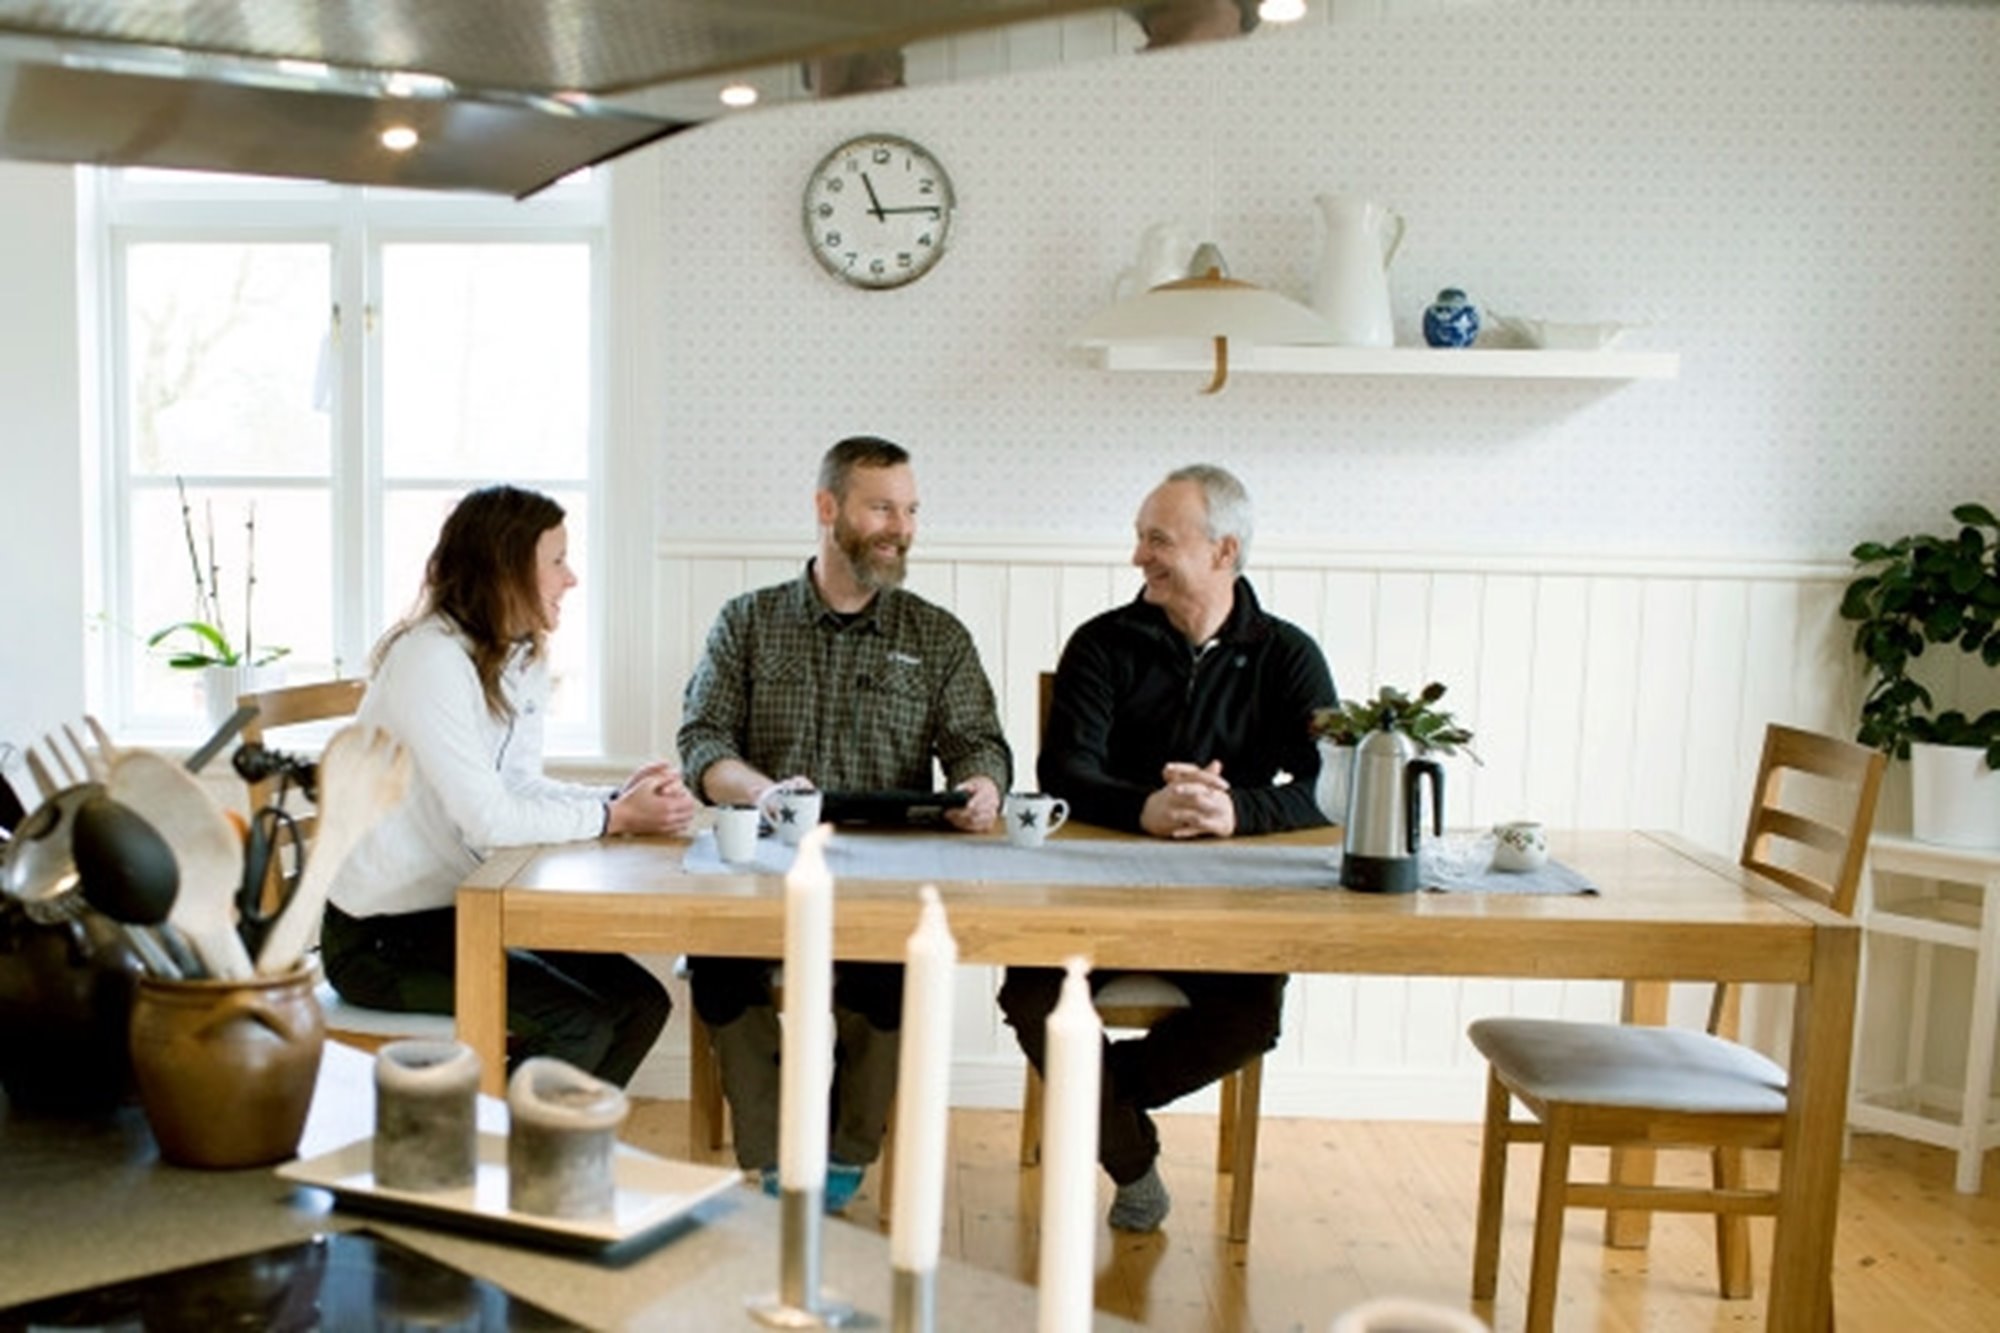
(1351, 287)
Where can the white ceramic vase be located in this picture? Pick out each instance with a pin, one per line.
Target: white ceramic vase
(1336, 780)
(1954, 796)
(221, 684)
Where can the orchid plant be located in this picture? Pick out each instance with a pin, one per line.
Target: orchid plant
(204, 640)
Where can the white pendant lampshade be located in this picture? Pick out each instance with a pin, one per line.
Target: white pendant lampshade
(1208, 305)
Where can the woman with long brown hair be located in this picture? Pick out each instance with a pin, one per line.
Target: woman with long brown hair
(463, 682)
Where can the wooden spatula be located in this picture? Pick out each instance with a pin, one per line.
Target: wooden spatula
(205, 846)
(363, 773)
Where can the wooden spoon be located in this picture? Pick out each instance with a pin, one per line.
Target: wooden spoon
(363, 773)
(205, 846)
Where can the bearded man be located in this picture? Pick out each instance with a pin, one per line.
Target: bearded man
(838, 679)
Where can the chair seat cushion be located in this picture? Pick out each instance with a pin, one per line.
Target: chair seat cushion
(1612, 1064)
(346, 1016)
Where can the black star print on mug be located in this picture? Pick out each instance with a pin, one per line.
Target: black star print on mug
(1027, 816)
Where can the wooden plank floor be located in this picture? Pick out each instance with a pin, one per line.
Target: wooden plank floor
(1349, 1210)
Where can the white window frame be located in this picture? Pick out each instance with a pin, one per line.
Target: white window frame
(356, 223)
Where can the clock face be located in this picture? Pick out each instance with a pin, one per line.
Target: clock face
(878, 211)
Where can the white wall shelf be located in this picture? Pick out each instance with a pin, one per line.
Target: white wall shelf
(1480, 363)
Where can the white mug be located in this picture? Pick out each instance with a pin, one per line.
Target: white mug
(1520, 846)
(1031, 816)
(793, 813)
(736, 833)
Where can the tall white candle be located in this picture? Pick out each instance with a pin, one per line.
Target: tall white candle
(923, 1090)
(1072, 1069)
(806, 1069)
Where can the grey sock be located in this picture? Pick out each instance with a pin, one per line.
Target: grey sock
(1141, 1205)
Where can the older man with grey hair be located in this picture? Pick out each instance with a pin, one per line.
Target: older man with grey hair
(1184, 714)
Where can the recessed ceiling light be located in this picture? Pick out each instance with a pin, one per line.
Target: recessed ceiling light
(739, 94)
(399, 138)
(1281, 11)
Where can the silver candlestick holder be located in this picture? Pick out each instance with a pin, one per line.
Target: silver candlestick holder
(799, 1302)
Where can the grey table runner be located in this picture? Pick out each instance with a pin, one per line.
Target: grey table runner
(1456, 862)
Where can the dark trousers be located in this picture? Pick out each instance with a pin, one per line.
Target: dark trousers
(733, 997)
(600, 1012)
(1229, 1019)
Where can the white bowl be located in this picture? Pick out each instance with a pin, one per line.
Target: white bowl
(1560, 335)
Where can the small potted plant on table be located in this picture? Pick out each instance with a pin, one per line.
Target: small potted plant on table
(1339, 729)
(1920, 591)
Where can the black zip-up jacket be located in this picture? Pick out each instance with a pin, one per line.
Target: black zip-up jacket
(1131, 694)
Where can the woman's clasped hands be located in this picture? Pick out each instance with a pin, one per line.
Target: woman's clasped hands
(653, 800)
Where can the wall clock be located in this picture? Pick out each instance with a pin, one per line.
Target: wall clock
(878, 211)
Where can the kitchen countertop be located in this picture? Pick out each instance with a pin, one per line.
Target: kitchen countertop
(88, 1202)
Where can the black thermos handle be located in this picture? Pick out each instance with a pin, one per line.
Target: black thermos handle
(1413, 798)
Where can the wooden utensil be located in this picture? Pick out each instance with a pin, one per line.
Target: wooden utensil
(363, 773)
(205, 846)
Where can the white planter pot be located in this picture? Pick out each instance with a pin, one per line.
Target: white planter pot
(1336, 779)
(1954, 796)
(221, 684)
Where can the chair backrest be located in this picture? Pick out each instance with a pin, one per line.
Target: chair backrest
(293, 706)
(1810, 814)
(1045, 699)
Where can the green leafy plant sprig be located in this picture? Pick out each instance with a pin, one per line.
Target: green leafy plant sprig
(1417, 717)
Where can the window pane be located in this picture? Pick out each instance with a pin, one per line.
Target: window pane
(486, 360)
(224, 346)
(292, 606)
(411, 519)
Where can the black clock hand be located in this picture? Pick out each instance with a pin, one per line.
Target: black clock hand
(931, 209)
(874, 204)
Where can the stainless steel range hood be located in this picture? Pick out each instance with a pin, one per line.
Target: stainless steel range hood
(500, 95)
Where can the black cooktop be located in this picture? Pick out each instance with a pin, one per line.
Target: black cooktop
(336, 1282)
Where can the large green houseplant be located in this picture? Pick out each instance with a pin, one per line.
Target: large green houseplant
(1912, 593)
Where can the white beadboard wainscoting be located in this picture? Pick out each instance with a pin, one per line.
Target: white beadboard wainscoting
(1613, 693)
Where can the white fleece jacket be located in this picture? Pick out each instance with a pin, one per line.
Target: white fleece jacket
(476, 782)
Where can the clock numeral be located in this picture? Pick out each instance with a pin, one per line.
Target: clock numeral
(834, 185)
(925, 185)
(904, 259)
(833, 240)
(852, 255)
(881, 156)
(877, 267)
(824, 210)
(925, 240)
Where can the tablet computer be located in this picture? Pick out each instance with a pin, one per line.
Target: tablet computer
(895, 808)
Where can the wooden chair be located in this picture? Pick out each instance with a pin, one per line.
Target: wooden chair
(326, 701)
(1134, 1004)
(1612, 1085)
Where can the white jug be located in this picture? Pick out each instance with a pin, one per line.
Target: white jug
(1352, 286)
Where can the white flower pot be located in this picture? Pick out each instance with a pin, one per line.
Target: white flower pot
(1954, 796)
(1336, 779)
(221, 684)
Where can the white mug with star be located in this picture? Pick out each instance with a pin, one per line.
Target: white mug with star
(1032, 815)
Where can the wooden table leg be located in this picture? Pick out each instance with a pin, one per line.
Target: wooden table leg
(480, 996)
(1645, 1002)
(1809, 1190)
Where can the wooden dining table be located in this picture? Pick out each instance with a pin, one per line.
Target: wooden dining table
(1666, 911)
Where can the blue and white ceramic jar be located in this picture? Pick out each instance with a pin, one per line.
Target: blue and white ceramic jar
(1451, 320)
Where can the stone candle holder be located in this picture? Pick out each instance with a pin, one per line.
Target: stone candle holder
(426, 1133)
(560, 1140)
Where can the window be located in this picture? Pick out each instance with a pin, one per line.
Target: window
(303, 379)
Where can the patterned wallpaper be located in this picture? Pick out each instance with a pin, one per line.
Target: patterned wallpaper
(1799, 198)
